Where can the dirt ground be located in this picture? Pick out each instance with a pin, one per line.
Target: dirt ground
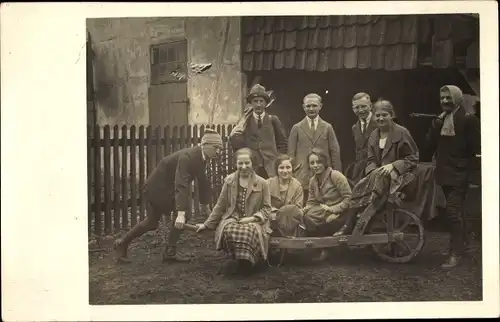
(350, 275)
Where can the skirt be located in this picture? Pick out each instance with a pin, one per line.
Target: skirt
(242, 241)
(288, 221)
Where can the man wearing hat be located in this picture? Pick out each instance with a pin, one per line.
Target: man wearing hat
(261, 132)
(167, 189)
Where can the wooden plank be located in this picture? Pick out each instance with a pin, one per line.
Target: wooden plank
(166, 141)
(158, 152)
(230, 161)
(116, 177)
(149, 149)
(125, 193)
(89, 181)
(196, 197)
(133, 177)
(97, 184)
(175, 138)
(107, 181)
(142, 171)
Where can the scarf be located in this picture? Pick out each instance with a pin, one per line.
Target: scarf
(448, 128)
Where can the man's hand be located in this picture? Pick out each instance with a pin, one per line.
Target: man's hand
(387, 169)
(181, 220)
(200, 228)
(331, 218)
(247, 220)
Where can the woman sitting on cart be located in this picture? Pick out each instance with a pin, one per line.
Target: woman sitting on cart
(287, 197)
(329, 195)
(392, 156)
(240, 216)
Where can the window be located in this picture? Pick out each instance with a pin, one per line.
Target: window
(168, 63)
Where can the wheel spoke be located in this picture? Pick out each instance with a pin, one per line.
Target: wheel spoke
(405, 223)
(403, 244)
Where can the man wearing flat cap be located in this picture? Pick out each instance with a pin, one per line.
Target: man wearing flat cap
(261, 132)
(167, 189)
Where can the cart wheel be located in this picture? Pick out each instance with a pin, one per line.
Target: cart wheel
(409, 233)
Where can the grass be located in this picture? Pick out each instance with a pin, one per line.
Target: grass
(350, 275)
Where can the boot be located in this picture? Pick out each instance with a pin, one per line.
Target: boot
(120, 248)
(452, 262)
(170, 255)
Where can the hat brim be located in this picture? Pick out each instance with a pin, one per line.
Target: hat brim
(251, 96)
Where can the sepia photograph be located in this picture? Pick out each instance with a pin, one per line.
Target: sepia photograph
(284, 159)
(249, 161)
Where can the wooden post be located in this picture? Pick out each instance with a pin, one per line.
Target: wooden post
(149, 149)
(97, 183)
(125, 194)
(142, 172)
(133, 177)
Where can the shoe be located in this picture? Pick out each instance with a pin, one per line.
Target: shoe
(173, 257)
(121, 252)
(452, 262)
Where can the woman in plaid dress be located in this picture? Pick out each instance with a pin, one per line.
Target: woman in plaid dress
(241, 216)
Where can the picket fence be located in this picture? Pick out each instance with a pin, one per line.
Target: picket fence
(119, 160)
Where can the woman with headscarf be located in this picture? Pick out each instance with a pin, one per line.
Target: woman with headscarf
(329, 195)
(241, 216)
(392, 156)
(456, 137)
(287, 198)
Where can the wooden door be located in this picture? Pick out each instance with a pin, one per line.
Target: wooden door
(168, 101)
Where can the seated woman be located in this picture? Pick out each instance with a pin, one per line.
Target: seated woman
(240, 216)
(287, 197)
(329, 195)
(392, 156)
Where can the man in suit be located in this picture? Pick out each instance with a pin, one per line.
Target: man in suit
(263, 133)
(167, 189)
(312, 132)
(361, 130)
(455, 136)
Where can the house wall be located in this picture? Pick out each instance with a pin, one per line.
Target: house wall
(122, 67)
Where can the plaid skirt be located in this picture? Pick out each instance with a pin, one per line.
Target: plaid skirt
(381, 185)
(241, 241)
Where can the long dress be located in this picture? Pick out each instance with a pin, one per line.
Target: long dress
(241, 240)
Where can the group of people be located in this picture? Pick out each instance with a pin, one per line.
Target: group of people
(295, 186)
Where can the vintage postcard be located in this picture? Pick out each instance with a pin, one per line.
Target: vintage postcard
(195, 161)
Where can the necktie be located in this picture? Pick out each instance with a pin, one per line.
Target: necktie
(313, 127)
(259, 121)
(363, 126)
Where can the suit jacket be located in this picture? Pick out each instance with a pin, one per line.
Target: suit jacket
(302, 140)
(333, 190)
(172, 177)
(456, 161)
(266, 142)
(357, 170)
(294, 196)
(400, 150)
(257, 204)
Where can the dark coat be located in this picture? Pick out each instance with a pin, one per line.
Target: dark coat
(400, 150)
(170, 180)
(456, 161)
(302, 140)
(356, 170)
(266, 142)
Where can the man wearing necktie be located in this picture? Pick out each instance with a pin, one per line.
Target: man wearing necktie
(263, 133)
(312, 132)
(167, 189)
(455, 135)
(361, 130)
